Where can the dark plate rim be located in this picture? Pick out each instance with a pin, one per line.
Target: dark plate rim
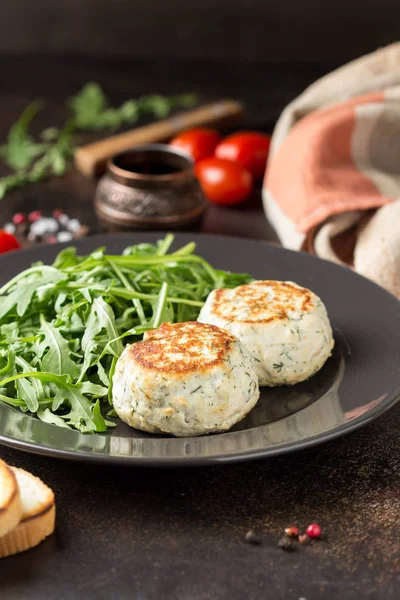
(190, 461)
(239, 456)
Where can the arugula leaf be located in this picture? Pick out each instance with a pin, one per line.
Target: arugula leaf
(21, 296)
(34, 389)
(91, 110)
(98, 418)
(87, 105)
(50, 134)
(21, 149)
(57, 359)
(97, 391)
(101, 317)
(11, 182)
(47, 416)
(66, 258)
(80, 414)
(68, 395)
(102, 374)
(10, 332)
(61, 151)
(29, 393)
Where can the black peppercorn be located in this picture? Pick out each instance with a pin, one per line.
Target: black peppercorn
(286, 543)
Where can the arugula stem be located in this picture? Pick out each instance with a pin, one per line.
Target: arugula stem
(18, 402)
(128, 294)
(165, 244)
(133, 261)
(136, 302)
(161, 301)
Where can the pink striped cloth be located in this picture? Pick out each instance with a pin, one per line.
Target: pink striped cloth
(335, 156)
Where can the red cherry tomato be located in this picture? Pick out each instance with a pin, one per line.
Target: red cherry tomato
(247, 147)
(8, 242)
(199, 143)
(223, 181)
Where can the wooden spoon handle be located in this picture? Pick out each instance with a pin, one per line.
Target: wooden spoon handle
(91, 159)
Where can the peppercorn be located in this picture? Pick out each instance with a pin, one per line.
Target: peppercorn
(314, 530)
(64, 219)
(82, 231)
(286, 544)
(292, 532)
(73, 225)
(9, 228)
(304, 539)
(19, 218)
(35, 215)
(20, 222)
(251, 537)
(64, 236)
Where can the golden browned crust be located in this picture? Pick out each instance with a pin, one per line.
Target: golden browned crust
(182, 347)
(46, 505)
(288, 297)
(44, 508)
(10, 500)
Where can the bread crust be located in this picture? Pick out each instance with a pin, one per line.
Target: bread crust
(28, 533)
(34, 525)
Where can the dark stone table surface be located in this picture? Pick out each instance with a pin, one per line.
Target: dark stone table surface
(179, 534)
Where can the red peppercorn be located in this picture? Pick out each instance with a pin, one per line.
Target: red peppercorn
(292, 532)
(51, 240)
(313, 530)
(35, 216)
(19, 218)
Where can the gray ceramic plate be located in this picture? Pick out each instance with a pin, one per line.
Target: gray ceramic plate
(358, 383)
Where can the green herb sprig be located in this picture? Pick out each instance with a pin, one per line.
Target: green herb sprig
(63, 327)
(34, 161)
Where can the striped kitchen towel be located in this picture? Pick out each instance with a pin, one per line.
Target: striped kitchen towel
(335, 156)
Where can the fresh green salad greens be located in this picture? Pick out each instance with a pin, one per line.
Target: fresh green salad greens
(33, 160)
(63, 327)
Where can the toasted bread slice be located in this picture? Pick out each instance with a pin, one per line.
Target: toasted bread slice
(10, 500)
(38, 517)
